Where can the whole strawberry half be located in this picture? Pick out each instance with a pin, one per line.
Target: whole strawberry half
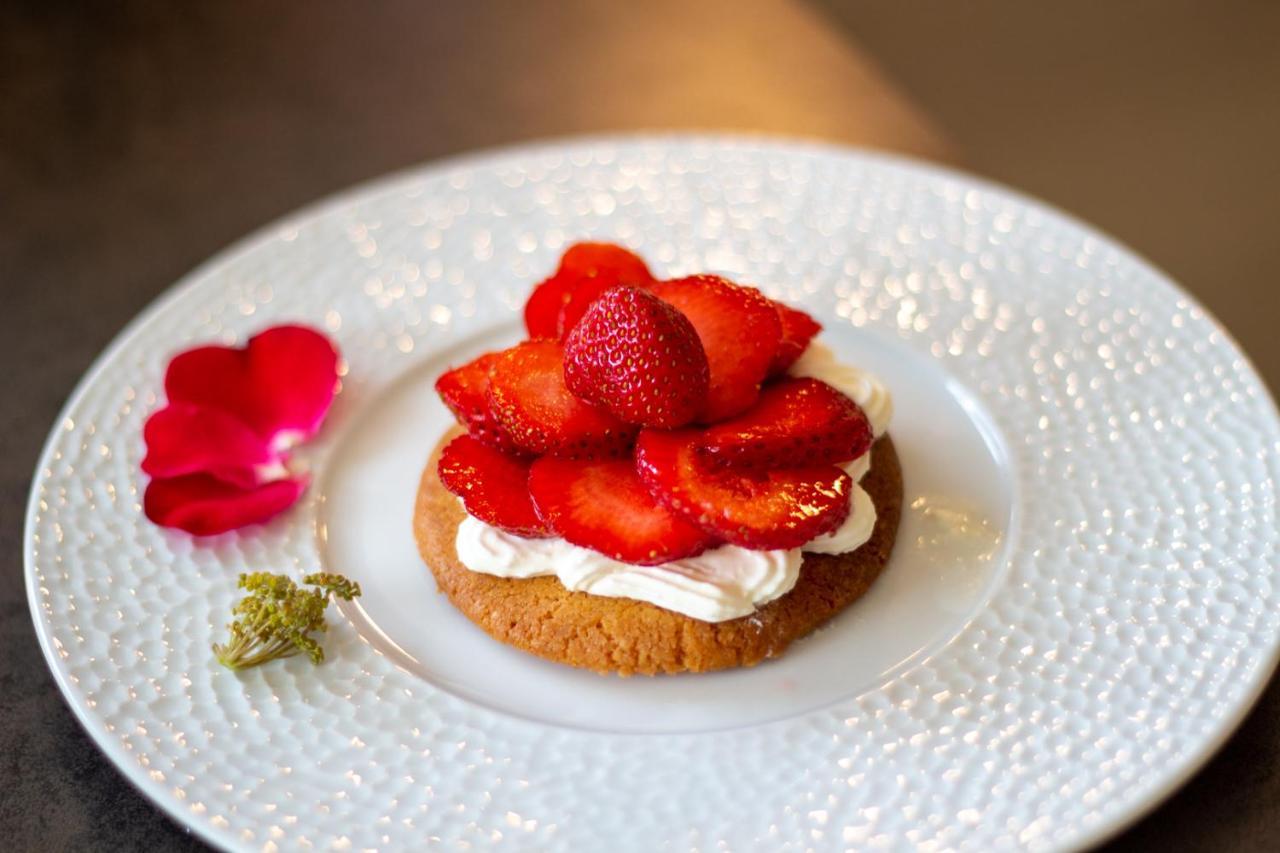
(795, 422)
(493, 485)
(586, 271)
(605, 506)
(531, 402)
(740, 332)
(798, 328)
(638, 357)
(761, 510)
(465, 390)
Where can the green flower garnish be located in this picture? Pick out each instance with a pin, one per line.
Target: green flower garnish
(277, 618)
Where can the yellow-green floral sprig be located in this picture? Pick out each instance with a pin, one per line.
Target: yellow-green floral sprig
(277, 618)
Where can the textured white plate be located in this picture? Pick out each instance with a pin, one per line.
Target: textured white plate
(1080, 610)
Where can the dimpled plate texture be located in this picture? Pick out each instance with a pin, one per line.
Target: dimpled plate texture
(1136, 625)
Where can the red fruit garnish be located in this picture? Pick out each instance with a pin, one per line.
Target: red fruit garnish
(586, 271)
(587, 260)
(493, 486)
(542, 311)
(605, 506)
(203, 505)
(465, 390)
(528, 395)
(796, 422)
(183, 438)
(798, 328)
(762, 510)
(280, 384)
(580, 300)
(596, 267)
(638, 357)
(740, 332)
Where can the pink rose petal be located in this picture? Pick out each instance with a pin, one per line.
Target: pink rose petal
(204, 506)
(280, 384)
(184, 438)
(216, 452)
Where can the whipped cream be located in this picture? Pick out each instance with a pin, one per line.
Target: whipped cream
(714, 586)
(856, 529)
(721, 584)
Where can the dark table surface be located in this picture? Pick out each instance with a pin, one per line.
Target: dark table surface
(137, 139)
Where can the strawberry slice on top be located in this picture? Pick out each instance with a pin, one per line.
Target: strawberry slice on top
(596, 267)
(638, 357)
(528, 395)
(740, 332)
(493, 485)
(798, 328)
(761, 510)
(465, 390)
(586, 271)
(543, 308)
(617, 368)
(796, 422)
(604, 506)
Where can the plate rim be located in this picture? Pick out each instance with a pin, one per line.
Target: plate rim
(1086, 836)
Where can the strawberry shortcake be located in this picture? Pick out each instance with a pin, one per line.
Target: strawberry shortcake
(665, 476)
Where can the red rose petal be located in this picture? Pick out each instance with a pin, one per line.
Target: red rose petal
(183, 438)
(281, 383)
(204, 506)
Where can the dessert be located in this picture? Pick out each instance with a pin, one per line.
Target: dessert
(667, 476)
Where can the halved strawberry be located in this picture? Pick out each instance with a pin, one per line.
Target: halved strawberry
(528, 396)
(596, 267)
(465, 391)
(604, 506)
(493, 486)
(638, 357)
(762, 510)
(795, 422)
(798, 328)
(740, 332)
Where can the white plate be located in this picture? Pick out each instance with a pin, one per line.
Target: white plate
(1079, 610)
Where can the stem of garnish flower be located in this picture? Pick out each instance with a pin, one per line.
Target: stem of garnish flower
(277, 618)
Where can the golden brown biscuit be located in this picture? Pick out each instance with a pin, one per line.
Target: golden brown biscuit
(628, 637)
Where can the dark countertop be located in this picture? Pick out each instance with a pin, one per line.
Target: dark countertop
(136, 139)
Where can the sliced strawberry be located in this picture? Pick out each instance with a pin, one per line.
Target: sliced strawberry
(604, 260)
(796, 422)
(605, 506)
(528, 395)
(586, 271)
(638, 357)
(465, 391)
(594, 268)
(798, 328)
(762, 510)
(542, 311)
(740, 332)
(493, 486)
